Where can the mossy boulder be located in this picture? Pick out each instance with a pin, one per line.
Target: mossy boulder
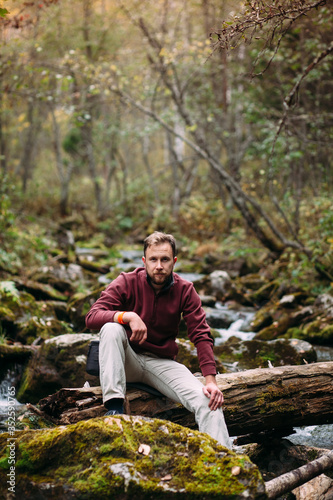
(282, 322)
(79, 305)
(15, 352)
(14, 308)
(26, 419)
(318, 332)
(296, 315)
(43, 327)
(255, 353)
(187, 355)
(23, 318)
(41, 291)
(126, 457)
(60, 362)
(278, 316)
(265, 293)
(262, 318)
(251, 282)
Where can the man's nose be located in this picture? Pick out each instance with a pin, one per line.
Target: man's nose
(159, 264)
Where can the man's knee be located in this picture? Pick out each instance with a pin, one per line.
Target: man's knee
(112, 327)
(113, 332)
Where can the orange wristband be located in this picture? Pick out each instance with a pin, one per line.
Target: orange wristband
(120, 318)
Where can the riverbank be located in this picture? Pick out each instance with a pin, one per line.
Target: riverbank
(258, 315)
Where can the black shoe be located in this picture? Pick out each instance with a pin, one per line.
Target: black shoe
(113, 412)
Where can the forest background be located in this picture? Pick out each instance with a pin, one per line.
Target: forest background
(209, 119)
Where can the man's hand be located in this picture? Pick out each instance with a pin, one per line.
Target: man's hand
(138, 327)
(213, 393)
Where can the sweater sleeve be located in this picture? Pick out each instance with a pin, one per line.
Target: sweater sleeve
(111, 301)
(199, 332)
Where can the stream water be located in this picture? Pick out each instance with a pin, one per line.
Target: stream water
(320, 436)
(9, 379)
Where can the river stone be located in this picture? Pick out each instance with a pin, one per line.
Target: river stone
(27, 319)
(60, 362)
(264, 293)
(220, 318)
(124, 457)
(15, 352)
(208, 300)
(79, 305)
(254, 353)
(41, 291)
(220, 282)
(187, 355)
(70, 339)
(325, 303)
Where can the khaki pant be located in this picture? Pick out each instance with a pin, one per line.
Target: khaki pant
(120, 364)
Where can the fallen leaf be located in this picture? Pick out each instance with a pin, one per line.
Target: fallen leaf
(236, 470)
(144, 449)
(168, 477)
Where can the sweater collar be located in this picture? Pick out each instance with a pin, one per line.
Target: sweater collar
(169, 283)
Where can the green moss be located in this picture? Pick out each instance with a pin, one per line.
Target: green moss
(91, 455)
(277, 400)
(316, 332)
(294, 333)
(30, 420)
(254, 353)
(262, 318)
(265, 293)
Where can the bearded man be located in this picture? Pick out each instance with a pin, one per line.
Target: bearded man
(138, 316)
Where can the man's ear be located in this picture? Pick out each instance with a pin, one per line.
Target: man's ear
(174, 260)
(143, 260)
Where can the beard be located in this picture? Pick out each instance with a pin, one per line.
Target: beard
(160, 279)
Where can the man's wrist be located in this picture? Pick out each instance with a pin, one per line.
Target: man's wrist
(120, 318)
(123, 317)
(210, 378)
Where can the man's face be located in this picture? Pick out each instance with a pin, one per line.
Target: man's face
(159, 263)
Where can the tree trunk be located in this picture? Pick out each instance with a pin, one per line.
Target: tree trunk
(90, 159)
(145, 144)
(3, 160)
(65, 173)
(255, 400)
(257, 219)
(26, 161)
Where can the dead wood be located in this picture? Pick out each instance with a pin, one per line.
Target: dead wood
(255, 400)
(287, 482)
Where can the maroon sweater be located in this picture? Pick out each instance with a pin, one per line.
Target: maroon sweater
(161, 313)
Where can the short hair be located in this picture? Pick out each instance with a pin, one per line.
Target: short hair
(156, 238)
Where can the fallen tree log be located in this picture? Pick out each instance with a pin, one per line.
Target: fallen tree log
(287, 482)
(255, 400)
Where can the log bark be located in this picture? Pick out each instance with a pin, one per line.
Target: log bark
(255, 400)
(287, 482)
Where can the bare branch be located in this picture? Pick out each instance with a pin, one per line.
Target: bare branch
(287, 482)
(288, 100)
(259, 16)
